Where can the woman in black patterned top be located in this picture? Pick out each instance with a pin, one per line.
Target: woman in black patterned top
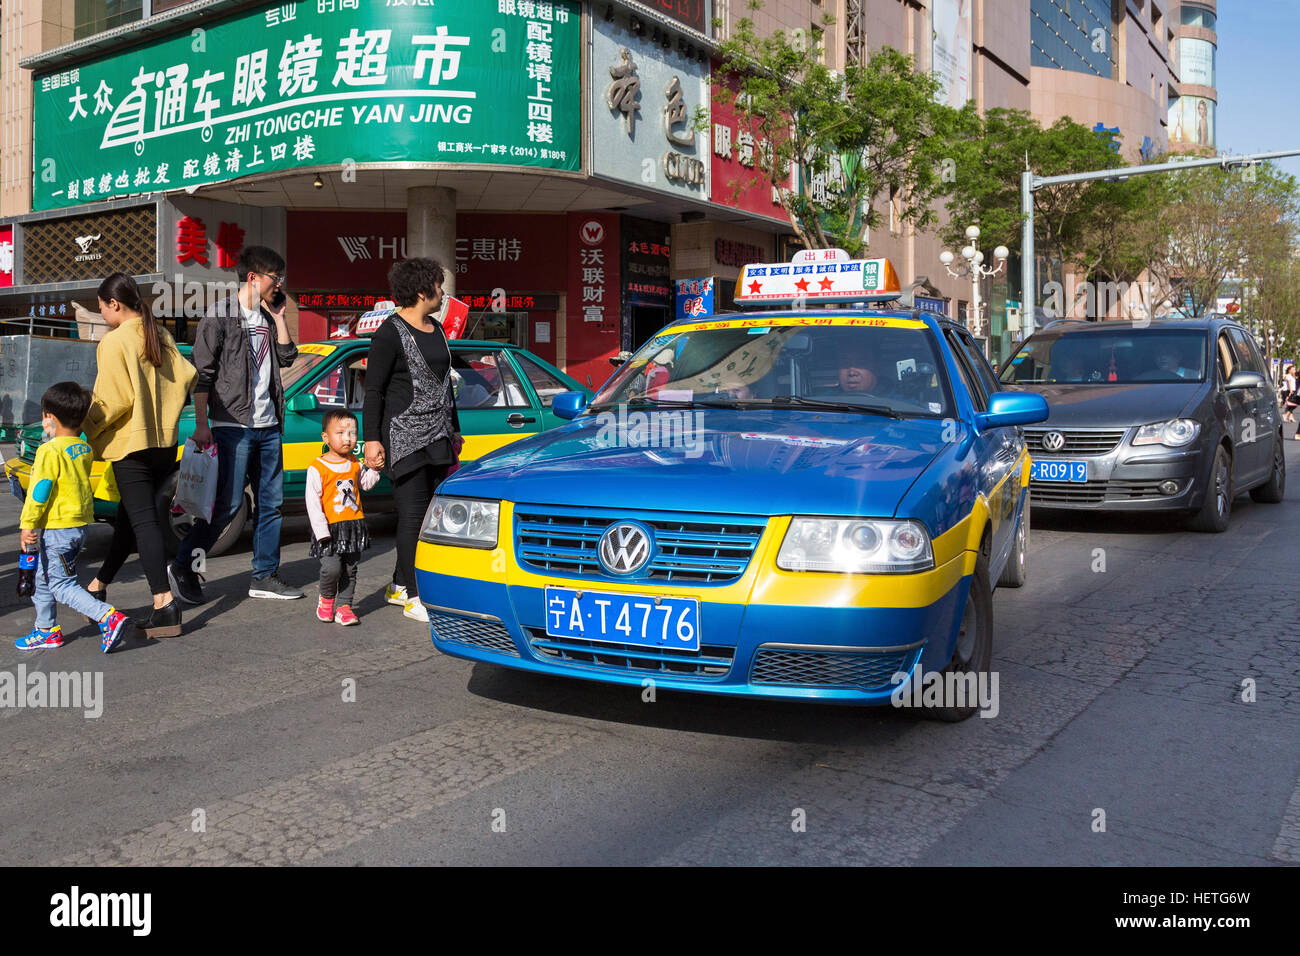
(410, 422)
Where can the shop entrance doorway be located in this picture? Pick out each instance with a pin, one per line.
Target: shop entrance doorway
(646, 321)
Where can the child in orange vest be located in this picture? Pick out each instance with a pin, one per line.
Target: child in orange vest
(335, 481)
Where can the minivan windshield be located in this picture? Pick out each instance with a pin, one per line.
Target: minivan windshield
(845, 363)
(1122, 356)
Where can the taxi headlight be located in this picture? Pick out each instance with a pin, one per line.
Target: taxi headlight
(855, 546)
(468, 522)
(1174, 434)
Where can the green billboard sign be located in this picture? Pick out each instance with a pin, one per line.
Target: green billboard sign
(316, 83)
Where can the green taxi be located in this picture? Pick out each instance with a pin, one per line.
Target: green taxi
(503, 393)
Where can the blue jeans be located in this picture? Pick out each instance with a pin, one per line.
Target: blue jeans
(56, 578)
(245, 456)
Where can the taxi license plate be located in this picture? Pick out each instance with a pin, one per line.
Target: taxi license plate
(1055, 470)
(639, 619)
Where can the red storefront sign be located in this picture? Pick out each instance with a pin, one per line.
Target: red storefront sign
(6, 256)
(736, 151)
(594, 314)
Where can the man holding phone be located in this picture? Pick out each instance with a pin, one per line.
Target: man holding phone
(241, 345)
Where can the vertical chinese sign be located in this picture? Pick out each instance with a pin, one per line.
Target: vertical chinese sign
(315, 83)
(594, 311)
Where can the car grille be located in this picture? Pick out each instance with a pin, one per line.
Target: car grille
(1095, 492)
(486, 635)
(859, 669)
(1078, 441)
(712, 662)
(701, 550)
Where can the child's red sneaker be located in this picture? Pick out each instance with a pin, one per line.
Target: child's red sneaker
(325, 609)
(345, 616)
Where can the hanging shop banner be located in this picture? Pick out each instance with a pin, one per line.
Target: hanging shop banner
(315, 83)
(6, 256)
(694, 298)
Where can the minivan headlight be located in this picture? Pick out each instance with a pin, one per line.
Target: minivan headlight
(468, 522)
(855, 546)
(1174, 433)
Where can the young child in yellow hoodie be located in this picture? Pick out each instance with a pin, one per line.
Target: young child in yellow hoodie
(54, 519)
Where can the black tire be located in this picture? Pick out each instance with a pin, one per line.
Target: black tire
(973, 651)
(175, 527)
(1217, 509)
(1271, 492)
(1016, 572)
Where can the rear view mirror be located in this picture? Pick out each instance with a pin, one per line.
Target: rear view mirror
(1012, 408)
(568, 405)
(302, 402)
(1244, 379)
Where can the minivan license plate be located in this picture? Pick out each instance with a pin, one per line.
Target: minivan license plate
(1058, 470)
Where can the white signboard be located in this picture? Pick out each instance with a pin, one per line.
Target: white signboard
(643, 101)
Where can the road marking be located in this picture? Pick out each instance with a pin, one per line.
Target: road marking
(325, 810)
(1286, 847)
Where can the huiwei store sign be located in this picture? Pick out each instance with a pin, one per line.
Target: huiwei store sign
(316, 83)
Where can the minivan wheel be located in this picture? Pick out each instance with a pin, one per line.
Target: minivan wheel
(1214, 513)
(1271, 491)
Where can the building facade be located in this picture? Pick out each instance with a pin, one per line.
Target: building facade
(543, 150)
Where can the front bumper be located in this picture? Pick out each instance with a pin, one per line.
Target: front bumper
(1127, 479)
(773, 634)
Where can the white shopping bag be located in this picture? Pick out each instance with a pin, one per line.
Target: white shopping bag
(196, 484)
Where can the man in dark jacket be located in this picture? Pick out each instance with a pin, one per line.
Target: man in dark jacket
(242, 344)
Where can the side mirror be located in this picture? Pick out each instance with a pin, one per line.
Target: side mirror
(569, 405)
(1244, 379)
(302, 402)
(1012, 408)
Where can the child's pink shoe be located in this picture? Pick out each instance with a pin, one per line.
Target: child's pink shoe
(325, 609)
(345, 616)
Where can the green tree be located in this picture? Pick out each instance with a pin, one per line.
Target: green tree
(1072, 221)
(874, 132)
(1208, 224)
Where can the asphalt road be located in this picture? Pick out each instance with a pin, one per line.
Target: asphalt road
(1120, 691)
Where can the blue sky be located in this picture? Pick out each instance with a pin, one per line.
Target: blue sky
(1258, 71)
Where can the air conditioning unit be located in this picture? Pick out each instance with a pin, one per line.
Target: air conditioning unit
(1013, 319)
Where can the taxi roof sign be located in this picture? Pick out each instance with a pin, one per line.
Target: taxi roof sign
(818, 275)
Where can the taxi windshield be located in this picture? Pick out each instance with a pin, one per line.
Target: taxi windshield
(302, 367)
(1121, 357)
(855, 364)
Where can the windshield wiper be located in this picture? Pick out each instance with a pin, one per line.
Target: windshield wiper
(666, 403)
(834, 406)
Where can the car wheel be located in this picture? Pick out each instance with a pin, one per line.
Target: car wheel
(1271, 491)
(1214, 513)
(973, 651)
(176, 527)
(1016, 572)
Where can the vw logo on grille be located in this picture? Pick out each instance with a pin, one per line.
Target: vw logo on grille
(1053, 441)
(624, 548)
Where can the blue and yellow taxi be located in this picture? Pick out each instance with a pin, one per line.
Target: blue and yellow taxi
(811, 501)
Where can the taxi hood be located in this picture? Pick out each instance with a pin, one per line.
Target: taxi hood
(751, 461)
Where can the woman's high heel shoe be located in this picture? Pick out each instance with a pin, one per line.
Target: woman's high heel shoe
(163, 622)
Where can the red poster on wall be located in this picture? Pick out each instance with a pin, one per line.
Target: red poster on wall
(736, 180)
(594, 315)
(6, 256)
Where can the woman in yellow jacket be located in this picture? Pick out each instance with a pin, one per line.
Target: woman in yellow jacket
(142, 384)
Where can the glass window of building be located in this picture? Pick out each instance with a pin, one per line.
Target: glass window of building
(1194, 16)
(1072, 35)
(96, 16)
(1196, 61)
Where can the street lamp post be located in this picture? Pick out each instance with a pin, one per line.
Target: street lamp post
(976, 269)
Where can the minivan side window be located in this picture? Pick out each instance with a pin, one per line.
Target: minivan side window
(1227, 360)
(1246, 351)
